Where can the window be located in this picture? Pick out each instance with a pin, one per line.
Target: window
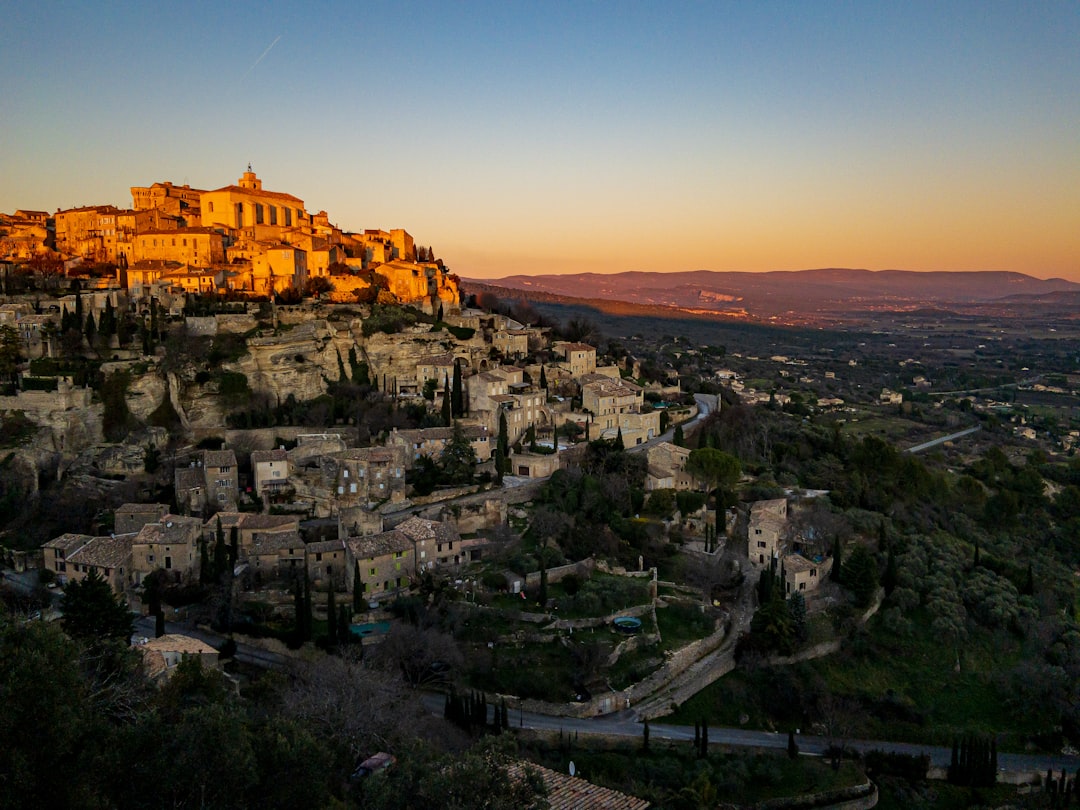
(258, 214)
(168, 562)
(149, 558)
(318, 557)
(398, 555)
(211, 207)
(288, 217)
(397, 566)
(371, 572)
(273, 214)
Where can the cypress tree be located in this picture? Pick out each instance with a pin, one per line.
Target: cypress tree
(331, 617)
(343, 624)
(645, 736)
(234, 546)
(837, 560)
(447, 411)
(205, 573)
(457, 397)
(543, 378)
(159, 623)
(792, 746)
(619, 440)
(677, 438)
(221, 555)
(704, 739)
(697, 735)
(357, 589)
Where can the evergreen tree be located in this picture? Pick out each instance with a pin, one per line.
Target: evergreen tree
(458, 459)
(447, 410)
(159, 623)
(645, 736)
(677, 438)
(93, 613)
(704, 739)
(234, 548)
(500, 466)
(837, 560)
(221, 554)
(457, 396)
(792, 746)
(344, 632)
(357, 589)
(307, 608)
(206, 572)
(503, 442)
(91, 329)
(619, 440)
(861, 576)
(331, 616)
(543, 378)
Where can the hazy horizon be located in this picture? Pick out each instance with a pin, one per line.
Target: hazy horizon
(525, 139)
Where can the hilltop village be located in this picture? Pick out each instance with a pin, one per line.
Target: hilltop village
(276, 444)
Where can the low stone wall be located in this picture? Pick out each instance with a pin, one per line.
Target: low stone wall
(582, 568)
(857, 797)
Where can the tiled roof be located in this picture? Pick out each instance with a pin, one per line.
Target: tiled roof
(325, 546)
(378, 545)
(268, 455)
(572, 793)
(219, 458)
(104, 552)
(69, 541)
(141, 508)
(274, 542)
(175, 642)
(419, 529)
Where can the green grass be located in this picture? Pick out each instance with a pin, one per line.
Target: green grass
(671, 776)
(881, 687)
(680, 623)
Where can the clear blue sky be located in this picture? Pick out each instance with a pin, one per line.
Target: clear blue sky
(552, 137)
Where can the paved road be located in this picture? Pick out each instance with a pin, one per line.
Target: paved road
(935, 442)
(621, 725)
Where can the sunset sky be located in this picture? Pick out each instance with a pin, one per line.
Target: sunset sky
(566, 137)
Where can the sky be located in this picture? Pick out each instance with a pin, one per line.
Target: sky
(549, 137)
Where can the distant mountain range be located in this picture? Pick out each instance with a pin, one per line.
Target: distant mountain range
(792, 296)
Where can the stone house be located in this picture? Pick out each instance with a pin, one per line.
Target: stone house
(431, 442)
(74, 556)
(435, 543)
(801, 574)
(163, 655)
(276, 555)
(271, 470)
(325, 562)
(386, 562)
(170, 544)
(765, 530)
(667, 467)
(578, 358)
(130, 517)
(208, 483)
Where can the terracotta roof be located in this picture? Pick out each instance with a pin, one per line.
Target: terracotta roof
(794, 563)
(378, 545)
(419, 529)
(572, 793)
(258, 192)
(219, 458)
(268, 455)
(257, 522)
(190, 478)
(104, 552)
(175, 642)
(325, 546)
(140, 508)
(69, 541)
(274, 542)
(575, 347)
